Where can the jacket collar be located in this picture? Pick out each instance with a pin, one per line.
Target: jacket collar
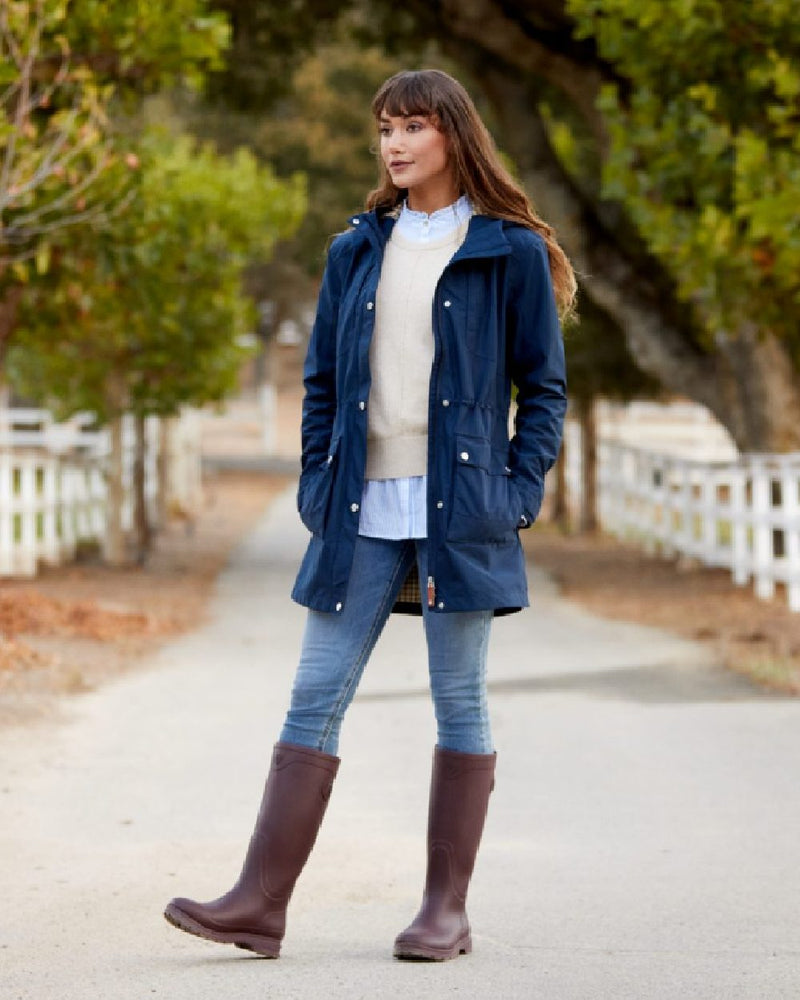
(485, 236)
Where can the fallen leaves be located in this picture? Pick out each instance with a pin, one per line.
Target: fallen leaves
(32, 613)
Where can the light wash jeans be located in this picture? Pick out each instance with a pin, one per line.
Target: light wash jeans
(337, 645)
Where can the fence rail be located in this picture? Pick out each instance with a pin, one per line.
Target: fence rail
(53, 482)
(742, 515)
(48, 506)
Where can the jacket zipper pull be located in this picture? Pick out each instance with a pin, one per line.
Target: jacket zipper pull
(431, 592)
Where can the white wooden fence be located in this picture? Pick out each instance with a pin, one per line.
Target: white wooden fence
(53, 482)
(741, 514)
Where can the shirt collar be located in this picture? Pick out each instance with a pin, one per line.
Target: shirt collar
(424, 228)
(485, 235)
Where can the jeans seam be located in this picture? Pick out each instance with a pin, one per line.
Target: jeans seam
(360, 659)
(484, 696)
(480, 727)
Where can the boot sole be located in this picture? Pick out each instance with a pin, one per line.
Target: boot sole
(261, 945)
(424, 953)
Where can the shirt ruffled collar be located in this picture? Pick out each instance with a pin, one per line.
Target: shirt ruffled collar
(424, 228)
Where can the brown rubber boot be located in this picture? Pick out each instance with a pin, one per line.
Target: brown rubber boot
(253, 914)
(460, 788)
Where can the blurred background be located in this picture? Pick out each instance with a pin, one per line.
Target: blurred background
(170, 178)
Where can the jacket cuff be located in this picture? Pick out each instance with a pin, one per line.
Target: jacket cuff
(532, 503)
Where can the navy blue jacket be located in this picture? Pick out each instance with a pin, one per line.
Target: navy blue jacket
(494, 323)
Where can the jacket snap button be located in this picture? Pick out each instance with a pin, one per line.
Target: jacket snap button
(339, 606)
(356, 222)
(441, 605)
(439, 504)
(445, 402)
(447, 303)
(370, 305)
(330, 459)
(354, 507)
(464, 456)
(362, 405)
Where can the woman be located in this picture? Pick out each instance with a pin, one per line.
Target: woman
(439, 297)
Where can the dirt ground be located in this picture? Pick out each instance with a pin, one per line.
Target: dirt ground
(75, 626)
(758, 638)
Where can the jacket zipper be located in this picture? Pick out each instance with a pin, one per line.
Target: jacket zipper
(432, 408)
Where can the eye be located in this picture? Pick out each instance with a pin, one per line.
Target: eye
(415, 126)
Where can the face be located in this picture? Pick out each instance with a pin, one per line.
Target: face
(416, 155)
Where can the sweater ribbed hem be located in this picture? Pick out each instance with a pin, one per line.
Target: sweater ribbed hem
(397, 457)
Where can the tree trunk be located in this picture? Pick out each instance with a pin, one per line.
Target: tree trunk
(588, 423)
(141, 519)
(559, 511)
(114, 548)
(268, 399)
(163, 461)
(748, 380)
(9, 310)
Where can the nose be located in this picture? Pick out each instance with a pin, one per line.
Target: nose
(395, 143)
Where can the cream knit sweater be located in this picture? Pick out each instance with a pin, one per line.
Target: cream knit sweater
(401, 354)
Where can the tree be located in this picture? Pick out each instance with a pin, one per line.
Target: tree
(600, 366)
(533, 61)
(63, 67)
(298, 97)
(145, 311)
(704, 152)
(538, 67)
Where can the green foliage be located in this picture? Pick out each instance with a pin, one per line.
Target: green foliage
(146, 44)
(268, 39)
(316, 121)
(62, 65)
(145, 312)
(705, 148)
(325, 130)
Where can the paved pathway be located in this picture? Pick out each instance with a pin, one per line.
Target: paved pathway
(642, 839)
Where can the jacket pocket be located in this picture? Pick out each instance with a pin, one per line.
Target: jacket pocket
(484, 505)
(314, 494)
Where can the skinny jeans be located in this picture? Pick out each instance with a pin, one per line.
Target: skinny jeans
(337, 645)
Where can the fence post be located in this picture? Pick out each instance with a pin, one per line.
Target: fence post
(708, 516)
(740, 556)
(26, 508)
(646, 500)
(6, 514)
(790, 501)
(69, 509)
(762, 532)
(684, 509)
(49, 505)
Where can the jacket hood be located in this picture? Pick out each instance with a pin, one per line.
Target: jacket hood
(485, 235)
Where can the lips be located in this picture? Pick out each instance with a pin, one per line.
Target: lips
(397, 164)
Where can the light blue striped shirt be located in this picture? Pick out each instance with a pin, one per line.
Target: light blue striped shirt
(397, 508)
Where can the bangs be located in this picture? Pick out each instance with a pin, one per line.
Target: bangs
(404, 95)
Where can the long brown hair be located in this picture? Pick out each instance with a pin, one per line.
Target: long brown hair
(480, 173)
